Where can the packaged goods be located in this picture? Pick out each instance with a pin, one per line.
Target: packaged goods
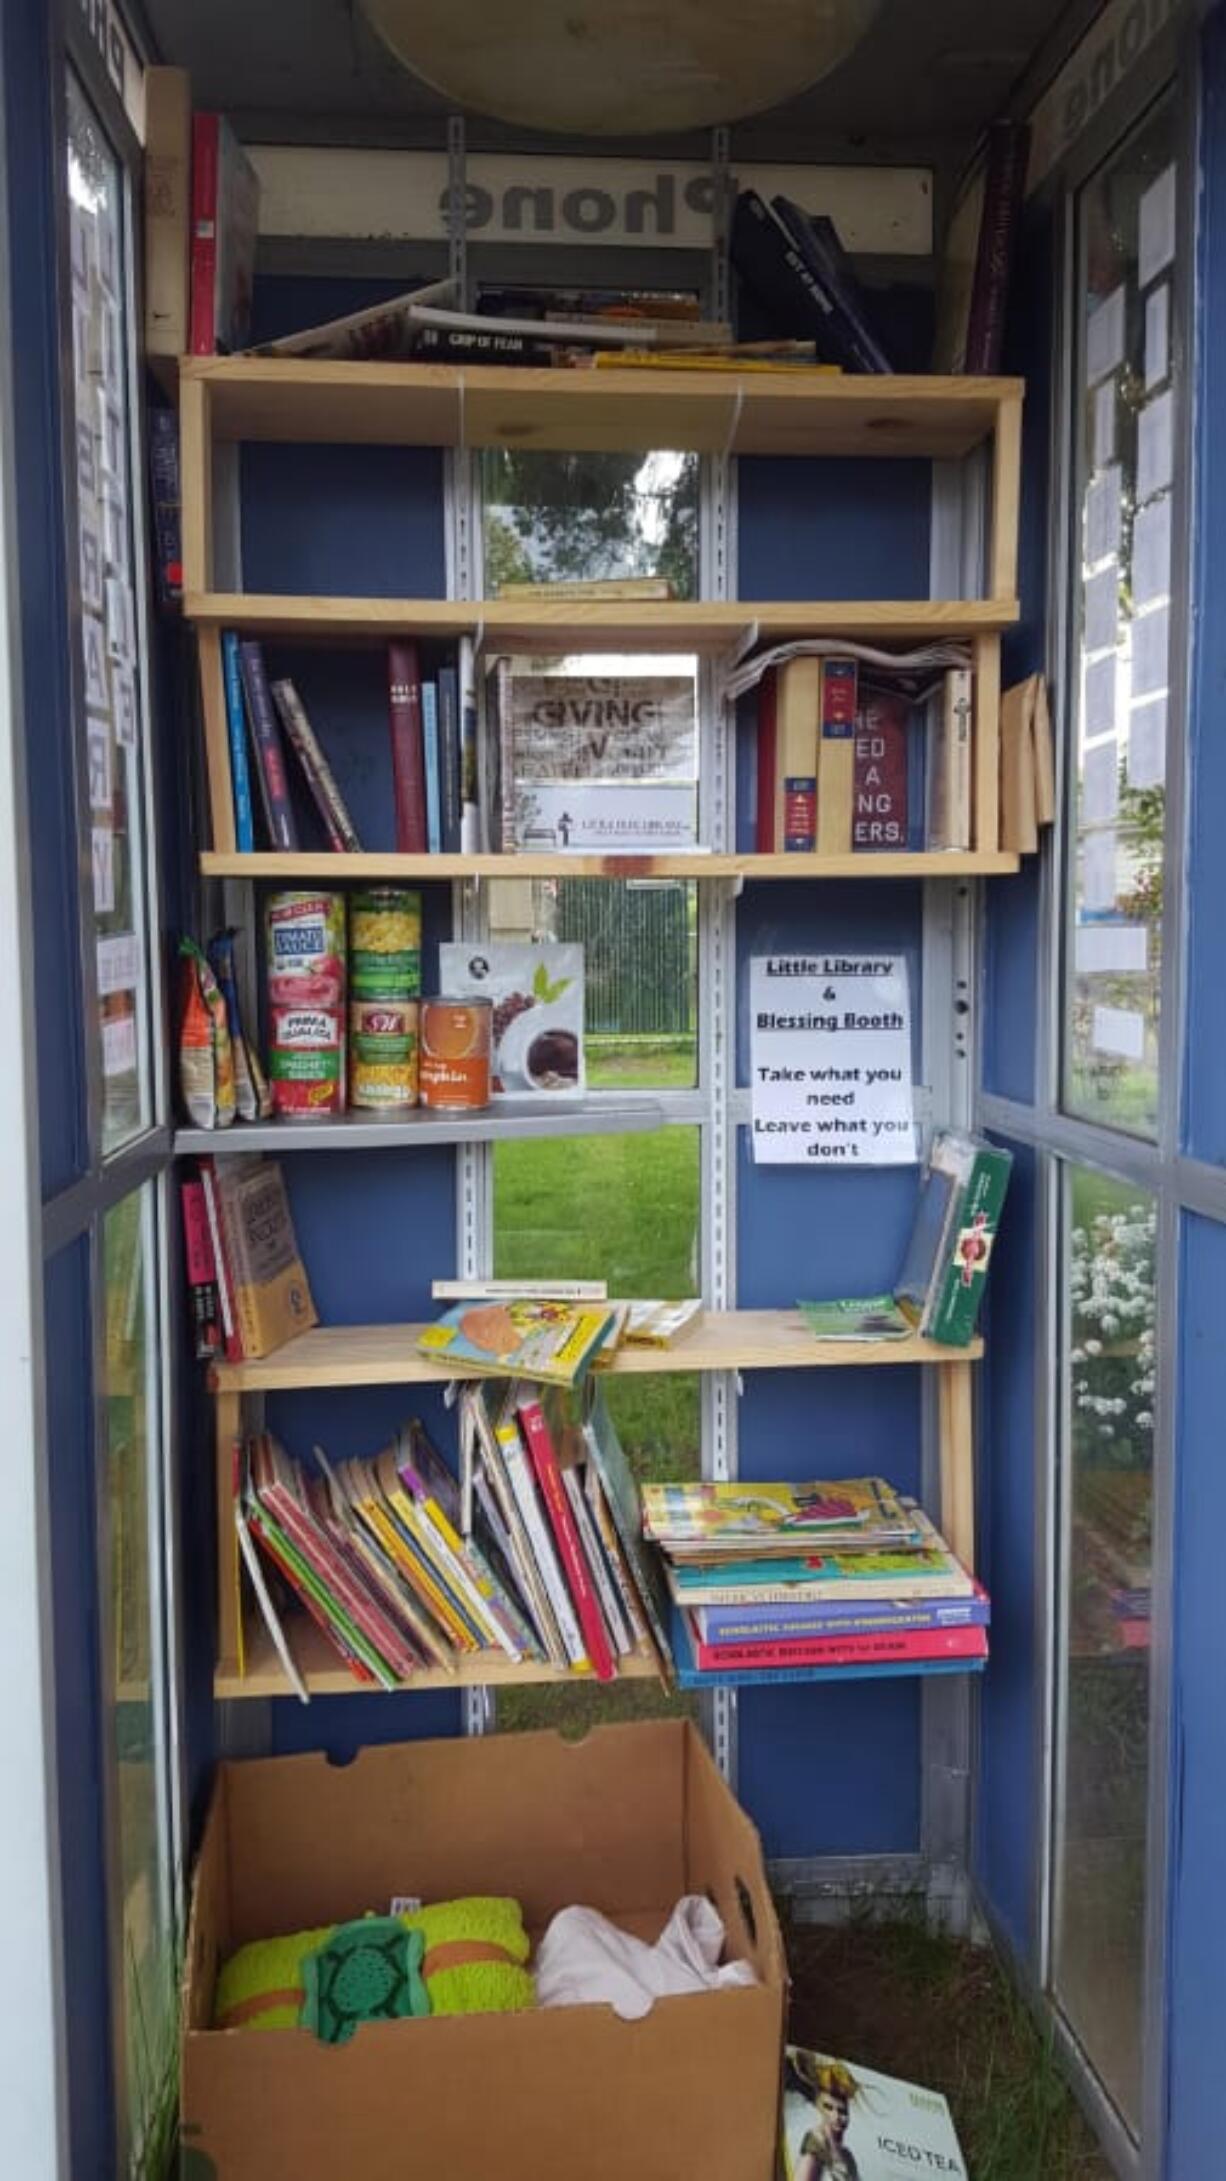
(382, 1054)
(537, 995)
(206, 1057)
(306, 950)
(306, 1062)
(454, 1073)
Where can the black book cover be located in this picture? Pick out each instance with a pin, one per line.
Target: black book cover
(797, 301)
(818, 241)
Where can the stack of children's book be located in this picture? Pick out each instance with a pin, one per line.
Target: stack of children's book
(780, 1582)
(532, 1556)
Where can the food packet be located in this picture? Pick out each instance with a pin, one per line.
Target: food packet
(252, 1092)
(206, 1057)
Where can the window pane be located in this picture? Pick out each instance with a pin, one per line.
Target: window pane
(1104, 1699)
(1127, 442)
(110, 662)
(146, 2003)
(550, 517)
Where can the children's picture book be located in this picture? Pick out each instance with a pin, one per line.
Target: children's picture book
(537, 994)
(554, 1342)
(716, 1520)
(844, 2122)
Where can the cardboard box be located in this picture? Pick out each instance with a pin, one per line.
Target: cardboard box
(625, 1821)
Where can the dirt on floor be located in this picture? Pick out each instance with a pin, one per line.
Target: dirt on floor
(941, 2012)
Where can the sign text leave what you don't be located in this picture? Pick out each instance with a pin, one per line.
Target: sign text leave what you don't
(830, 1060)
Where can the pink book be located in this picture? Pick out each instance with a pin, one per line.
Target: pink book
(570, 1551)
(880, 1648)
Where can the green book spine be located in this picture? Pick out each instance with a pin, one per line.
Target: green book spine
(962, 1280)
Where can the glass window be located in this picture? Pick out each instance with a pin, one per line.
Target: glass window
(110, 662)
(1127, 438)
(137, 1740)
(575, 517)
(1102, 1764)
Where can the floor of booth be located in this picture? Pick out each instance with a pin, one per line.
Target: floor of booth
(941, 2012)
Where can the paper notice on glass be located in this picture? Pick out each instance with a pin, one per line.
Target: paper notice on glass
(1151, 637)
(1157, 335)
(1101, 675)
(119, 964)
(98, 763)
(1100, 783)
(1151, 552)
(1111, 949)
(1156, 227)
(120, 620)
(93, 653)
(1103, 515)
(830, 1060)
(1147, 743)
(1104, 424)
(1102, 602)
(1098, 870)
(1155, 445)
(91, 565)
(1105, 337)
(123, 691)
(1118, 1030)
(103, 853)
(119, 1045)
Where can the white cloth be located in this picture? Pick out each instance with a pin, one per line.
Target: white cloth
(584, 1959)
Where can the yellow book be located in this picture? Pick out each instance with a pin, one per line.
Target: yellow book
(1018, 818)
(681, 359)
(797, 712)
(836, 758)
(270, 1292)
(422, 1577)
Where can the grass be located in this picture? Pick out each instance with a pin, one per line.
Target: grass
(641, 1063)
(910, 2002)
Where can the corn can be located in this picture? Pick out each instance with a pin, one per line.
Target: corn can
(306, 949)
(454, 1070)
(306, 1062)
(382, 1055)
(385, 943)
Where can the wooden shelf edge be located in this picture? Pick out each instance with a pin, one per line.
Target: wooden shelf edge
(326, 1674)
(769, 1340)
(545, 623)
(311, 868)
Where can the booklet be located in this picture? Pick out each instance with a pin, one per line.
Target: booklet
(843, 2122)
(551, 1341)
(857, 1317)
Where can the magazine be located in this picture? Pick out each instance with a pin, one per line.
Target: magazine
(844, 2122)
(554, 1342)
(861, 1317)
(711, 1520)
(537, 993)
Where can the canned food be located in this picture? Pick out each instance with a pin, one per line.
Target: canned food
(383, 1054)
(306, 1063)
(454, 1072)
(385, 943)
(306, 950)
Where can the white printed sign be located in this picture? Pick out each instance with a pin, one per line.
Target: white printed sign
(830, 1060)
(1101, 950)
(118, 964)
(1118, 1030)
(103, 850)
(119, 1045)
(604, 818)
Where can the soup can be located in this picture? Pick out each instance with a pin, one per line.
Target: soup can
(385, 943)
(306, 1062)
(454, 1070)
(305, 935)
(382, 1054)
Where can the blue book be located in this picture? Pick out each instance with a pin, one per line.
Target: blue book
(793, 1623)
(917, 778)
(434, 799)
(236, 720)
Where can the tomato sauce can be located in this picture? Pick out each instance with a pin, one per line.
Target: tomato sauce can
(382, 1055)
(454, 1071)
(305, 935)
(385, 943)
(306, 1062)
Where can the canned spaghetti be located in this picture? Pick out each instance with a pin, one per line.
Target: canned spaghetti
(306, 1062)
(306, 950)
(454, 1070)
(385, 943)
(382, 1054)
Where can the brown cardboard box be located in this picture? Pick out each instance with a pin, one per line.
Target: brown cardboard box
(625, 1821)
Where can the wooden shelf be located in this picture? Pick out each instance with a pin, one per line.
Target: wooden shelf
(731, 1340)
(602, 1114)
(326, 1674)
(550, 625)
(707, 412)
(314, 867)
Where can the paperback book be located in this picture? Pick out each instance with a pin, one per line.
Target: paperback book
(555, 1342)
(725, 1521)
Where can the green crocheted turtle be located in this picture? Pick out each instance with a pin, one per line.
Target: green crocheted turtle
(368, 1971)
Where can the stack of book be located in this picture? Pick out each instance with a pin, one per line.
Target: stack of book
(776, 1582)
(860, 749)
(247, 1285)
(532, 1557)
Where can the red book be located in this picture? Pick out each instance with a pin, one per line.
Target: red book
(268, 1544)
(408, 749)
(570, 1551)
(201, 1271)
(879, 1649)
(206, 129)
(880, 815)
(764, 833)
(225, 217)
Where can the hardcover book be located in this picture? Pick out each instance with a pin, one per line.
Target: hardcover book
(225, 220)
(711, 1521)
(168, 196)
(798, 701)
(961, 1198)
(765, 839)
(950, 714)
(317, 772)
(836, 763)
(269, 753)
(881, 814)
(578, 1574)
(236, 725)
(408, 750)
(861, 350)
(270, 1293)
(867, 1648)
(836, 1617)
